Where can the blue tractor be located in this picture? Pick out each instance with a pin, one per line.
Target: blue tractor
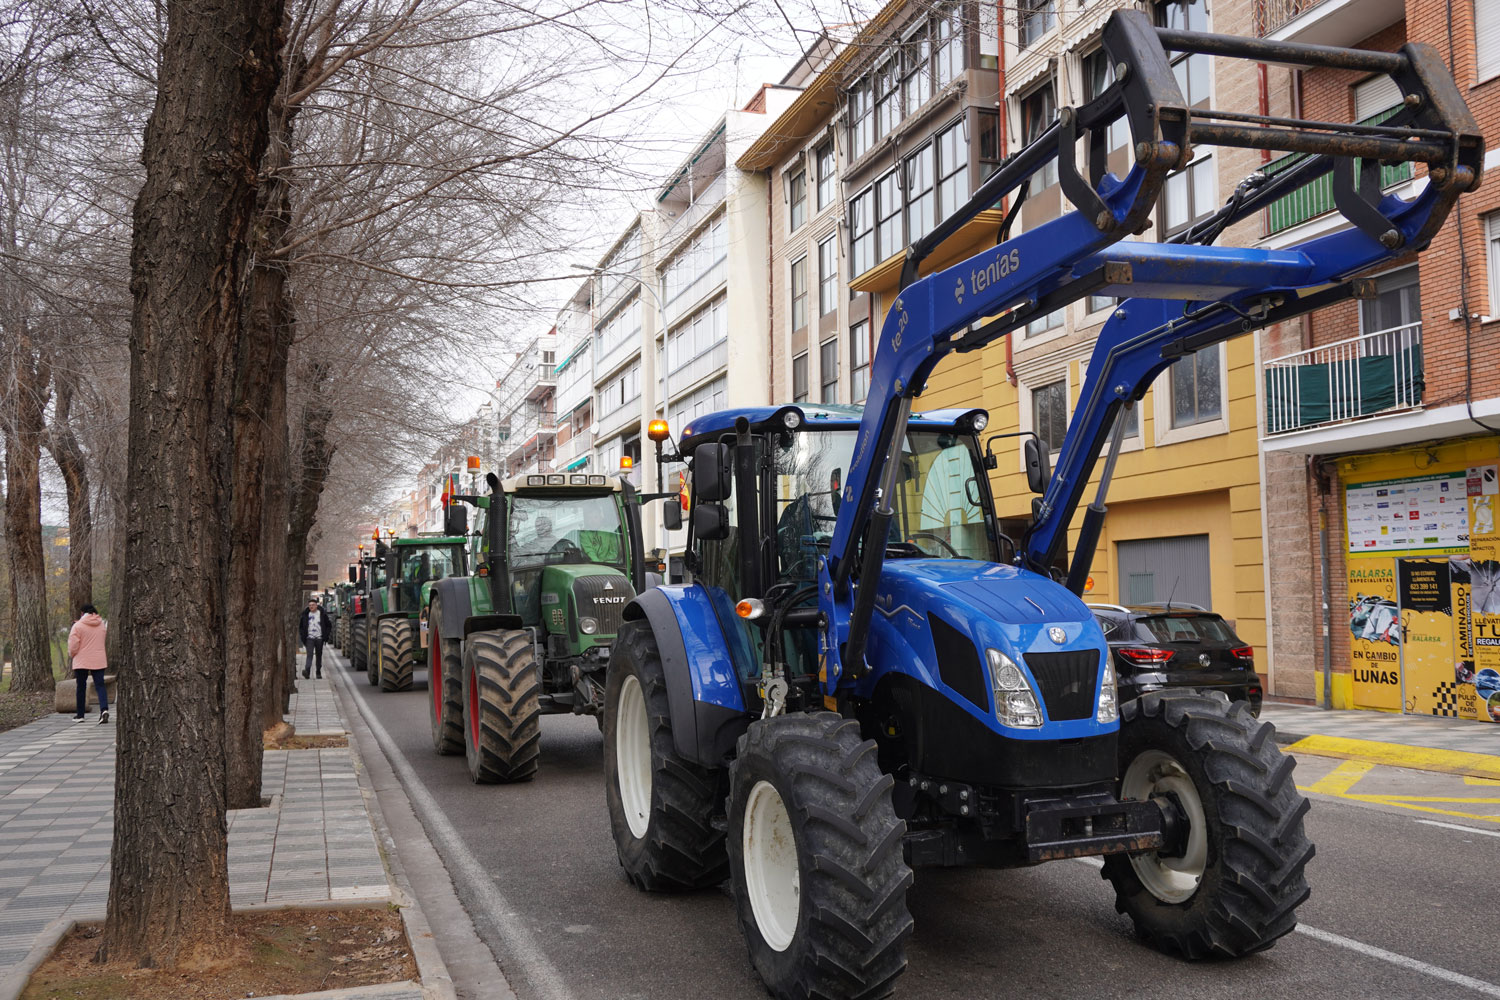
(864, 675)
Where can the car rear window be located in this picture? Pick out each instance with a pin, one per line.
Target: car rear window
(1113, 628)
(1185, 628)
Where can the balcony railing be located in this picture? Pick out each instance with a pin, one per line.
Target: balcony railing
(696, 211)
(1359, 377)
(1272, 14)
(1316, 197)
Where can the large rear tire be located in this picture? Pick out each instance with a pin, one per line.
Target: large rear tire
(357, 644)
(816, 858)
(445, 685)
(398, 653)
(502, 709)
(1235, 885)
(661, 807)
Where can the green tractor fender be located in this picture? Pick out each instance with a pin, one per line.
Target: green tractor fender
(463, 598)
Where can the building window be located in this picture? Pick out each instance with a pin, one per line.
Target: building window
(799, 378)
(1486, 39)
(797, 199)
(1042, 324)
(1188, 195)
(916, 68)
(888, 214)
(859, 361)
(953, 170)
(920, 196)
(799, 293)
(989, 143)
(887, 97)
(826, 170)
(1197, 396)
(1037, 17)
(1394, 315)
(1049, 413)
(1039, 110)
(1191, 69)
(862, 232)
(549, 357)
(828, 368)
(828, 276)
(1098, 75)
(861, 120)
(948, 40)
(1492, 248)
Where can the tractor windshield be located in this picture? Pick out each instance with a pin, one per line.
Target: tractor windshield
(419, 565)
(938, 507)
(584, 529)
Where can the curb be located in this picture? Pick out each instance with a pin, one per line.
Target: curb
(436, 982)
(20, 974)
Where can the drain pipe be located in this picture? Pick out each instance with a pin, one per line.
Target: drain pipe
(1327, 687)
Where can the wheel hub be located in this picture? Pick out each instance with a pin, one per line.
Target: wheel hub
(772, 878)
(633, 756)
(1174, 873)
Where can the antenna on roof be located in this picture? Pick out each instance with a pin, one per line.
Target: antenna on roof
(1173, 591)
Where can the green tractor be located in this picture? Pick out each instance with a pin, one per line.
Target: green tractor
(367, 595)
(412, 565)
(556, 558)
(342, 611)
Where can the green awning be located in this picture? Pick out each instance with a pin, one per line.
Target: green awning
(577, 463)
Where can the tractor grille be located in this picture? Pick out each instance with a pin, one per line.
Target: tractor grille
(1068, 680)
(603, 597)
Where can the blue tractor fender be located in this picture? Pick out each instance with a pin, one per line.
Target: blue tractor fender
(703, 689)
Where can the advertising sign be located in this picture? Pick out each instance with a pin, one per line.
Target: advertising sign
(1427, 514)
(1427, 655)
(1374, 633)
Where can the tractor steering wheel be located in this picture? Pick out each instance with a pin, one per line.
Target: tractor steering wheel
(564, 549)
(935, 538)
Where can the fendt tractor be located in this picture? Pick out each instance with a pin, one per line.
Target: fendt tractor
(529, 632)
(863, 675)
(369, 581)
(412, 566)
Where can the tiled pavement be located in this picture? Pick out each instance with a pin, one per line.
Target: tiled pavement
(1298, 721)
(313, 843)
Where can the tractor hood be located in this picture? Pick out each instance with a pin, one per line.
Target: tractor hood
(989, 598)
(571, 591)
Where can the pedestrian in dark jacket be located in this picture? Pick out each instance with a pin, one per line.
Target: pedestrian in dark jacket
(313, 627)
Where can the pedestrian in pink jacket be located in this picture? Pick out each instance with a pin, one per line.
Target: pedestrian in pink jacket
(86, 648)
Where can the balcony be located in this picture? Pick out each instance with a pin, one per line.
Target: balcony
(1325, 22)
(1373, 373)
(544, 382)
(688, 216)
(1316, 198)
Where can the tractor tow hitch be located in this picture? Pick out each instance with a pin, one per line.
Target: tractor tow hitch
(1083, 826)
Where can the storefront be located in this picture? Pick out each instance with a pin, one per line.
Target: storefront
(1422, 561)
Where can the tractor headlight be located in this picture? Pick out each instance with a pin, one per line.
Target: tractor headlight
(1015, 702)
(588, 626)
(1109, 695)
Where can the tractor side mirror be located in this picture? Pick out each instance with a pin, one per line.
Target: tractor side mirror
(353, 575)
(1038, 465)
(711, 473)
(671, 513)
(456, 520)
(710, 522)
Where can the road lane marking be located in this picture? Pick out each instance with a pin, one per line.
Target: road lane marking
(1471, 780)
(1478, 765)
(1460, 826)
(1404, 961)
(523, 946)
(1342, 778)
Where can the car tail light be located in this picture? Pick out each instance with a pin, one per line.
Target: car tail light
(1245, 654)
(1145, 654)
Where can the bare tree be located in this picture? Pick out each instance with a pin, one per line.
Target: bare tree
(169, 888)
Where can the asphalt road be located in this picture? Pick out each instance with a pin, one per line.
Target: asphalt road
(1400, 907)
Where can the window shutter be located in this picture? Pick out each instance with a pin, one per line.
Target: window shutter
(1487, 38)
(1492, 251)
(1375, 95)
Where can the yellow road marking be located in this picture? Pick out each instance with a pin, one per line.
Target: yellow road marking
(1470, 780)
(1475, 765)
(1342, 778)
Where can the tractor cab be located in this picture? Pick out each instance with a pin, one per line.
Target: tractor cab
(415, 562)
(562, 554)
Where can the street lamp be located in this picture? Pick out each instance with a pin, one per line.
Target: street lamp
(666, 370)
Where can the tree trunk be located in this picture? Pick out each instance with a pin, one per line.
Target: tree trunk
(63, 444)
(254, 613)
(169, 885)
(24, 423)
(315, 453)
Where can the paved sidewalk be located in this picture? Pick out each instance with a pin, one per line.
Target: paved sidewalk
(313, 844)
(1295, 722)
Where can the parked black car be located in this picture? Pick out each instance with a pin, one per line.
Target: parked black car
(1177, 646)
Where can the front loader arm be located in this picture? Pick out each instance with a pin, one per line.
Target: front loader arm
(1182, 296)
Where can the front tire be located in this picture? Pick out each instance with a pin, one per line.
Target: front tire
(445, 686)
(1235, 888)
(357, 645)
(502, 709)
(398, 654)
(661, 806)
(816, 859)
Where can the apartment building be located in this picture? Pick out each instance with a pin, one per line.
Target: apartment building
(891, 131)
(525, 415)
(573, 391)
(1380, 416)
